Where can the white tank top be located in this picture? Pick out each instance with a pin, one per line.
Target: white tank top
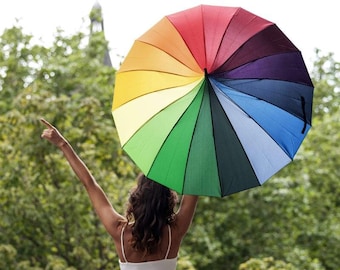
(165, 264)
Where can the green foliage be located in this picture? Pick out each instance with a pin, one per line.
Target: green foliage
(19, 60)
(47, 219)
(265, 264)
(326, 74)
(47, 222)
(269, 263)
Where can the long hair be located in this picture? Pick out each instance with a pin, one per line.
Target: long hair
(151, 207)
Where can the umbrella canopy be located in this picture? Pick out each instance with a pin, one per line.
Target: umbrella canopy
(212, 100)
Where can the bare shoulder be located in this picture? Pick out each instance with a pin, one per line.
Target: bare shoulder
(116, 230)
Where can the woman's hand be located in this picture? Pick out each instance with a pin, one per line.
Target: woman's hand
(52, 134)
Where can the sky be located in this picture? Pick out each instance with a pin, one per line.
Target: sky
(309, 24)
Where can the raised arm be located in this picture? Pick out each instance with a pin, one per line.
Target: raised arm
(107, 214)
(186, 213)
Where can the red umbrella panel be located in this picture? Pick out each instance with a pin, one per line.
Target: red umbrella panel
(212, 100)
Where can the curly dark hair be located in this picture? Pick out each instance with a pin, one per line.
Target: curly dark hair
(151, 207)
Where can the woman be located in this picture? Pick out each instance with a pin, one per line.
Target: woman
(150, 234)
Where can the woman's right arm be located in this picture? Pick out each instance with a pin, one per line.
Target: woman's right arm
(107, 214)
(186, 213)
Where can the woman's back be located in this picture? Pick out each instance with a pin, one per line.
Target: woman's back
(164, 258)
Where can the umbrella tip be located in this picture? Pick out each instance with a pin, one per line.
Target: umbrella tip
(205, 72)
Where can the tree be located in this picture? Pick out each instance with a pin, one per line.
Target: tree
(19, 60)
(69, 85)
(326, 74)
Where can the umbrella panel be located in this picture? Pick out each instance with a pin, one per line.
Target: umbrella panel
(152, 135)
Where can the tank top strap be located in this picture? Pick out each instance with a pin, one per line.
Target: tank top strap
(169, 244)
(122, 242)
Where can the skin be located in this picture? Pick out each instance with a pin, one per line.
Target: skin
(110, 218)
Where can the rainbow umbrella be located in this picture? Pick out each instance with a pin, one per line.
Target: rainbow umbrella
(212, 100)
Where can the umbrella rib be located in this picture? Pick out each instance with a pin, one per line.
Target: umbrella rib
(191, 140)
(301, 100)
(234, 131)
(264, 156)
(176, 58)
